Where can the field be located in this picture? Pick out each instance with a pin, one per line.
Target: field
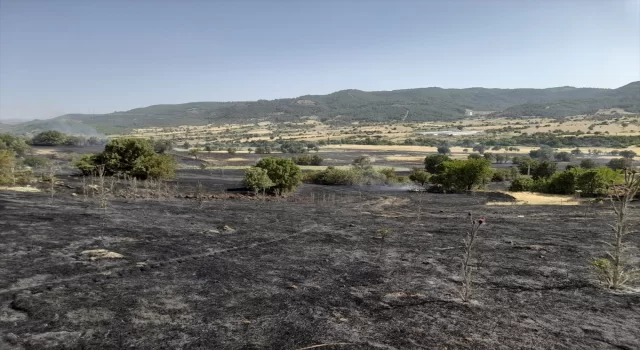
(314, 130)
(237, 272)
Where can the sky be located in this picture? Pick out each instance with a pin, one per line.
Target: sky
(86, 56)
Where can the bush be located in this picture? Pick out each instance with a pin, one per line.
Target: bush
(595, 182)
(543, 170)
(362, 162)
(433, 163)
(293, 147)
(628, 154)
(36, 162)
(522, 184)
(7, 166)
(543, 153)
(162, 146)
(444, 150)
(284, 173)
(419, 176)
(475, 156)
(563, 157)
(49, 138)
(16, 144)
(620, 163)
(308, 160)
(131, 156)
(257, 179)
(335, 176)
(563, 182)
(463, 175)
(500, 175)
(588, 164)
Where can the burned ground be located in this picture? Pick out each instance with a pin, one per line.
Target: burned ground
(310, 269)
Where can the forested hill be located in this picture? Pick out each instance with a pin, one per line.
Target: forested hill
(423, 104)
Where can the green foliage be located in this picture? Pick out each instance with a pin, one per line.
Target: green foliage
(308, 160)
(543, 170)
(257, 179)
(7, 166)
(16, 144)
(131, 156)
(419, 176)
(49, 138)
(594, 182)
(232, 150)
(620, 163)
(293, 147)
(475, 156)
(563, 182)
(433, 163)
(628, 154)
(588, 164)
(463, 175)
(284, 173)
(500, 175)
(444, 150)
(543, 153)
(563, 157)
(356, 177)
(362, 162)
(522, 184)
(162, 146)
(86, 164)
(35, 162)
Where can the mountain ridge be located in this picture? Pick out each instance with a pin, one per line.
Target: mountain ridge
(410, 105)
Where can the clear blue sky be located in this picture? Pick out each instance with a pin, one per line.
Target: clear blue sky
(63, 56)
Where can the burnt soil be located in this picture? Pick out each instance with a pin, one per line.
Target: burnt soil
(306, 270)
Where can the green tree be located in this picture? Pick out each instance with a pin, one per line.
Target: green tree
(629, 154)
(49, 138)
(543, 153)
(284, 173)
(16, 144)
(544, 170)
(257, 179)
(588, 164)
(463, 175)
(433, 163)
(620, 163)
(36, 162)
(132, 156)
(162, 146)
(362, 162)
(475, 156)
(444, 149)
(563, 157)
(596, 181)
(419, 176)
(7, 166)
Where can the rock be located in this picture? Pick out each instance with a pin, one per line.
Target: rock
(212, 232)
(95, 254)
(225, 228)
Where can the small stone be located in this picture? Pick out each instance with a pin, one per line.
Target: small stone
(293, 286)
(11, 338)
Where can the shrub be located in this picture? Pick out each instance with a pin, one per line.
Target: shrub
(444, 150)
(563, 182)
(308, 160)
(433, 163)
(543, 170)
(35, 162)
(563, 157)
(257, 179)
(419, 176)
(49, 138)
(16, 144)
(588, 164)
(362, 162)
(131, 156)
(463, 175)
(293, 147)
(620, 163)
(284, 173)
(162, 146)
(334, 176)
(543, 153)
(500, 175)
(231, 150)
(628, 154)
(7, 166)
(522, 184)
(475, 156)
(595, 182)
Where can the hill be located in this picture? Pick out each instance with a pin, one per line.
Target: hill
(422, 104)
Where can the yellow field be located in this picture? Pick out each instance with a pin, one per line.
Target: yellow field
(531, 198)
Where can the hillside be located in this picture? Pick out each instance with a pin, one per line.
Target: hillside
(422, 104)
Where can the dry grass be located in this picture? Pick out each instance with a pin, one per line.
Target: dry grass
(531, 198)
(19, 189)
(237, 159)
